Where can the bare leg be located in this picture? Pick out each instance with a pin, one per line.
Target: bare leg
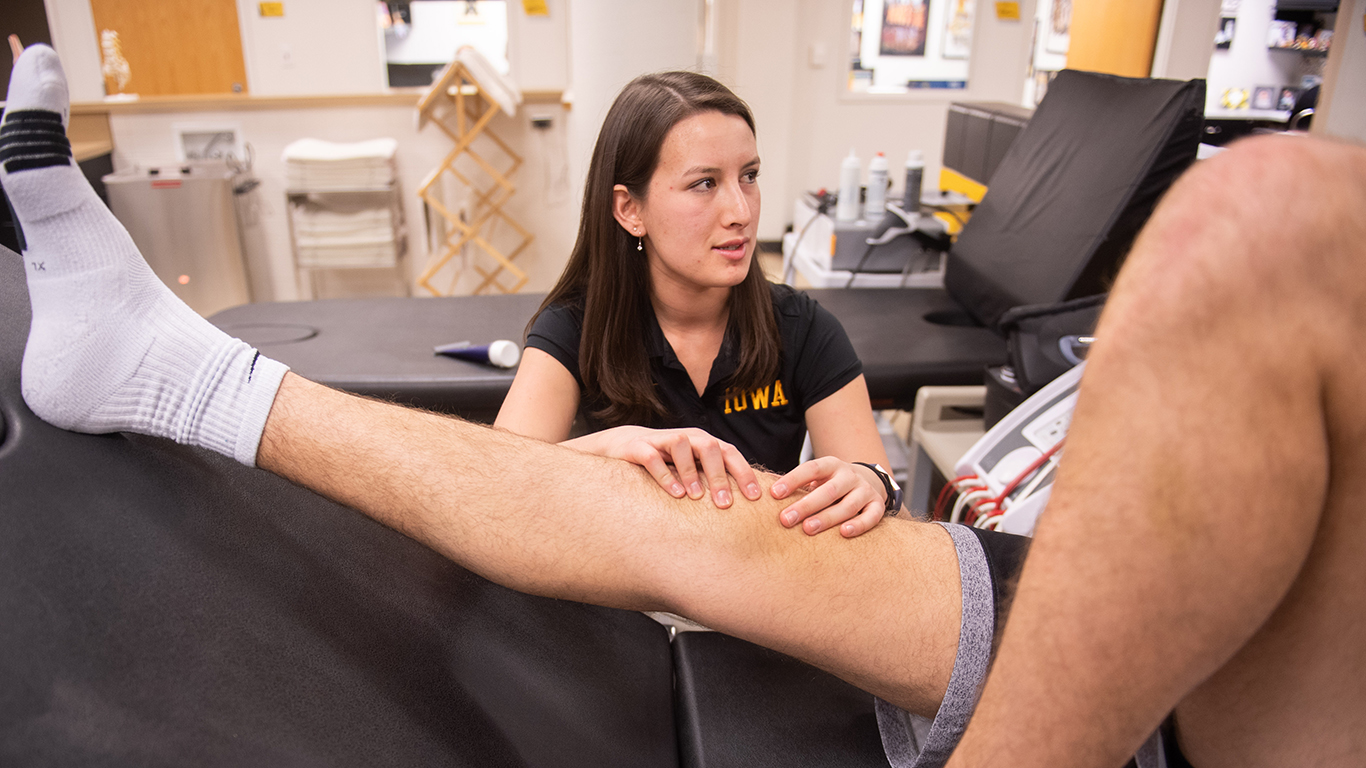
(881, 611)
(1201, 546)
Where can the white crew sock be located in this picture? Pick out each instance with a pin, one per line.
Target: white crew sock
(112, 349)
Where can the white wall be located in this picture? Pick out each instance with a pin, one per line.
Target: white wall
(72, 25)
(758, 58)
(823, 121)
(318, 46)
(1247, 63)
(1185, 39)
(1343, 106)
(610, 43)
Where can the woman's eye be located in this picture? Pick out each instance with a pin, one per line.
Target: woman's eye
(751, 176)
(705, 184)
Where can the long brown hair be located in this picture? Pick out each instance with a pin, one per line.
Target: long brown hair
(609, 280)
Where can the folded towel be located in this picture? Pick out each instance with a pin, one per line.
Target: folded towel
(317, 150)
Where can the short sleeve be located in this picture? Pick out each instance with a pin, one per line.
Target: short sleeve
(557, 332)
(826, 360)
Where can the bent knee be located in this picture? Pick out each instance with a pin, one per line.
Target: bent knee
(1296, 195)
(1273, 222)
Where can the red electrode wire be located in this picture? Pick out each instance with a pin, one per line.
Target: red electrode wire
(1039, 462)
(945, 494)
(976, 508)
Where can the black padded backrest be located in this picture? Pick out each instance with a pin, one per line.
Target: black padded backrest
(165, 606)
(1073, 190)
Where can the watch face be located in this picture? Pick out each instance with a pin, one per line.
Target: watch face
(890, 478)
(894, 493)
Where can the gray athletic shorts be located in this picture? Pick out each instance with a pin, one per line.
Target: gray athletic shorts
(988, 564)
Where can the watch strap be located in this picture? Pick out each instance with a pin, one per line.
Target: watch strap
(894, 493)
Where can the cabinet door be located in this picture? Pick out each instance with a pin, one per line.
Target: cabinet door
(175, 46)
(1114, 36)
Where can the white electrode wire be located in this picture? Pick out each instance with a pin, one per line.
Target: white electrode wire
(958, 485)
(964, 500)
(791, 266)
(1044, 472)
(992, 523)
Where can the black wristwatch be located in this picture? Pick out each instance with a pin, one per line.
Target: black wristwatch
(894, 492)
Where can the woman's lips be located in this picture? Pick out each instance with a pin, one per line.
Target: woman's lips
(732, 249)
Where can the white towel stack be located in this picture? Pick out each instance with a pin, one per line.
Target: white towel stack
(314, 165)
(347, 218)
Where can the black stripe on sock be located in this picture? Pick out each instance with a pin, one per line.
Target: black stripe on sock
(10, 126)
(15, 116)
(12, 137)
(33, 138)
(40, 161)
(20, 149)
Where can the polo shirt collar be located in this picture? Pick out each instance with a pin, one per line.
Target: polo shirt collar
(658, 347)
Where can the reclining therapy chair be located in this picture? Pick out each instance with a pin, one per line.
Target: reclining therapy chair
(1063, 207)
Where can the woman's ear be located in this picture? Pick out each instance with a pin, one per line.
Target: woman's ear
(626, 210)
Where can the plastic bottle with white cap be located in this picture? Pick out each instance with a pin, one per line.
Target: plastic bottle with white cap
(847, 206)
(876, 204)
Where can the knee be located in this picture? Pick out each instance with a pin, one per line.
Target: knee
(1285, 190)
(1269, 214)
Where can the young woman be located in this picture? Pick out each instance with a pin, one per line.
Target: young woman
(664, 334)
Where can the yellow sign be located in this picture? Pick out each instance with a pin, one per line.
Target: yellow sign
(535, 8)
(272, 9)
(1009, 11)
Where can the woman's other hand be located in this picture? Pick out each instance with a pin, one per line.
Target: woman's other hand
(848, 496)
(674, 457)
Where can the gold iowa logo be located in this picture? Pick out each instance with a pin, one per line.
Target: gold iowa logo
(758, 399)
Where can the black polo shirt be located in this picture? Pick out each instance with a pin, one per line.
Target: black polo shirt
(767, 424)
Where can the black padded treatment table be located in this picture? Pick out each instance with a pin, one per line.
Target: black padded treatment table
(165, 606)
(382, 347)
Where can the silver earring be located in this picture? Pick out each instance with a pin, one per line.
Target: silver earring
(640, 243)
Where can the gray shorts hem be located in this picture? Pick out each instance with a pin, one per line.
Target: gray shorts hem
(911, 741)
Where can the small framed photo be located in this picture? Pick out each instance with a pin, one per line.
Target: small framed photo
(1281, 34)
(1223, 39)
(1286, 101)
(1264, 97)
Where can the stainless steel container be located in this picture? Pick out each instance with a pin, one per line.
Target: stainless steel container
(183, 220)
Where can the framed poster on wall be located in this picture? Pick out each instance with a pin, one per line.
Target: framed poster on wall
(903, 27)
(897, 46)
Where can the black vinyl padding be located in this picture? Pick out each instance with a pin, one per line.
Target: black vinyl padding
(165, 606)
(910, 338)
(744, 706)
(382, 347)
(1073, 191)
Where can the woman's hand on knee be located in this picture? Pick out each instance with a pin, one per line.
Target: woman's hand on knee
(843, 495)
(682, 461)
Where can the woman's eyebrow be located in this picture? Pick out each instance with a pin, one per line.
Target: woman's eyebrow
(713, 169)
